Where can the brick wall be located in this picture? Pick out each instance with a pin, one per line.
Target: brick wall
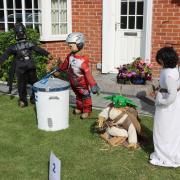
(166, 28)
(86, 18)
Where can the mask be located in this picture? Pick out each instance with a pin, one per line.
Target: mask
(20, 31)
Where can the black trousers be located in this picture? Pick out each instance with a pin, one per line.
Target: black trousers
(28, 77)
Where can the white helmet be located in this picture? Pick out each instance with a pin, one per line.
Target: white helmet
(76, 37)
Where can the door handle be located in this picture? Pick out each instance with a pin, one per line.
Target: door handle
(116, 25)
(130, 33)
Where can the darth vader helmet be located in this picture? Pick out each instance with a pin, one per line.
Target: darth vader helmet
(20, 31)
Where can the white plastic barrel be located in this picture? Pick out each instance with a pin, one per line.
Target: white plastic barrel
(52, 104)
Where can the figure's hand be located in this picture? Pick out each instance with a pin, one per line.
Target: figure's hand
(101, 121)
(95, 89)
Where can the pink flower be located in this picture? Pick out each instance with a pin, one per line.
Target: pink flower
(150, 66)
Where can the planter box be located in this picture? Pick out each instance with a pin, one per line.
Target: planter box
(137, 81)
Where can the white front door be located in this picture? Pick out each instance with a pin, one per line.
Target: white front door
(129, 31)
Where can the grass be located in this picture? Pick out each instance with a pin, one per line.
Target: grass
(25, 150)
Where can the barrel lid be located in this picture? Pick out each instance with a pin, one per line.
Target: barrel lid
(51, 85)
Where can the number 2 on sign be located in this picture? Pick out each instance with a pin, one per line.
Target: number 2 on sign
(54, 167)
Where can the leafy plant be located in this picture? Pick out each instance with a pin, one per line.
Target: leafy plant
(138, 69)
(7, 39)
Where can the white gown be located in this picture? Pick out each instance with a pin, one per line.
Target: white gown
(166, 130)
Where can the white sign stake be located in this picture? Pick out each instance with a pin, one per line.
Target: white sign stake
(54, 167)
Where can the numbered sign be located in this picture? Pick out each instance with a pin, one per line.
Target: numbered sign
(54, 167)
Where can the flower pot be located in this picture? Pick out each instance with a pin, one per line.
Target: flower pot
(138, 80)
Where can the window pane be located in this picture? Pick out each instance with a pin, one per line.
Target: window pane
(36, 4)
(54, 4)
(139, 23)
(28, 4)
(2, 27)
(38, 28)
(55, 16)
(28, 16)
(63, 16)
(18, 4)
(37, 16)
(10, 16)
(140, 7)
(59, 16)
(123, 8)
(132, 8)
(131, 22)
(29, 25)
(18, 16)
(55, 28)
(63, 28)
(10, 4)
(1, 15)
(123, 22)
(1, 4)
(10, 26)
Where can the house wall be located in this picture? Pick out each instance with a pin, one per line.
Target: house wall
(166, 28)
(86, 18)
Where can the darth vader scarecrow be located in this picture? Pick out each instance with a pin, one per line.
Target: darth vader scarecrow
(23, 64)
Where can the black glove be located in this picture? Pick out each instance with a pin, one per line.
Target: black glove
(95, 89)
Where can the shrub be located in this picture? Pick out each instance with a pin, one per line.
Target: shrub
(7, 39)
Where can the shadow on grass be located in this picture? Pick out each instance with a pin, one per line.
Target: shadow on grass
(145, 140)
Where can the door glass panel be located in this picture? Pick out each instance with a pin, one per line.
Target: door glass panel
(132, 8)
(1, 5)
(28, 4)
(35, 4)
(10, 4)
(139, 22)
(18, 4)
(140, 7)
(131, 22)
(124, 8)
(123, 22)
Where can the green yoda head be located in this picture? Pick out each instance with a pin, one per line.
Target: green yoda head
(121, 101)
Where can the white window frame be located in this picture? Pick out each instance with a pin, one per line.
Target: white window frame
(14, 9)
(47, 24)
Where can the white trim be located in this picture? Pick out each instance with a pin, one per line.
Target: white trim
(108, 35)
(148, 30)
(5, 15)
(23, 11)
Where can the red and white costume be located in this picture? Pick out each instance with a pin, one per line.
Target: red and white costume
(80, 79)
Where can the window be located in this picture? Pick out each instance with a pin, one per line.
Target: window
(56, 19)
(131, 16)
(12, 11)
(52, 18)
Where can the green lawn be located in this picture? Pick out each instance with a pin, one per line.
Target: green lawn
(25, 150)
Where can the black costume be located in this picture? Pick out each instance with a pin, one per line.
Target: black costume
(23, 64)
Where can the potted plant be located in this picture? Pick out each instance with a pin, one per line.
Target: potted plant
(137, 72)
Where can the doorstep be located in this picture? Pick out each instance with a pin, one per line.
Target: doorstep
(108, 84)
